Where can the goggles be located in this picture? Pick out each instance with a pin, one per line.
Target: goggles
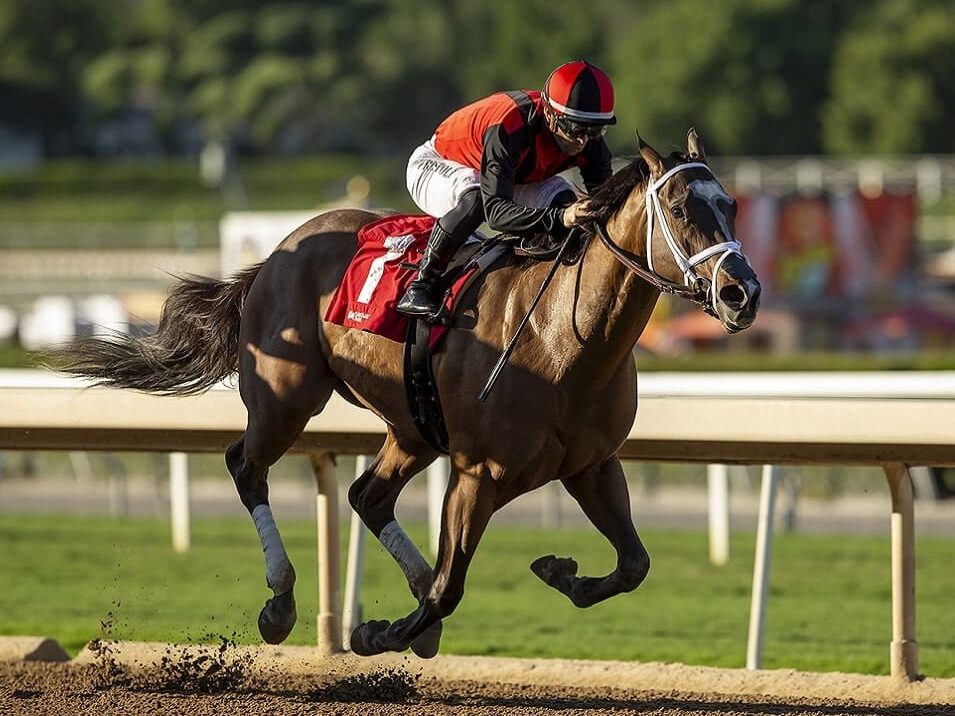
(580, 131)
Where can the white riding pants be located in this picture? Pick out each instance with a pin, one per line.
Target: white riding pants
(436, 184)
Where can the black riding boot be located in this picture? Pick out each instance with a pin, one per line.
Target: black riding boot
(423, 297)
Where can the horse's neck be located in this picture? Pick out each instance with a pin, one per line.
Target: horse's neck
(614, 305)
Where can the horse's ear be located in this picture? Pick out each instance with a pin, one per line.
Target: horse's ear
(694, 146)
(650, 156)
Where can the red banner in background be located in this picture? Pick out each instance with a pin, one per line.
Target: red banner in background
(837, 271)
(847, 246)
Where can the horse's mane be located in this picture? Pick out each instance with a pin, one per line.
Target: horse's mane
(610, 196)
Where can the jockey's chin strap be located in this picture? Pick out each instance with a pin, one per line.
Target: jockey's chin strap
(695, 288)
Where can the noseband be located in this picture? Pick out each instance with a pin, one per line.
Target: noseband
(695, 288)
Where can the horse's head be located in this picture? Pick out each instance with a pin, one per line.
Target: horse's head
(691, 235)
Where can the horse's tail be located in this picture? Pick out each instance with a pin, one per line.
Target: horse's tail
(195, 346)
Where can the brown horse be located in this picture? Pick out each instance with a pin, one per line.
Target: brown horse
(560, 410)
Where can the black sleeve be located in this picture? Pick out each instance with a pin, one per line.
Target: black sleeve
(595, 168)
(498, 169)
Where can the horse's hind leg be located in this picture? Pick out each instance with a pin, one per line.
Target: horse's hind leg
(470, 502)
(373, 496)
(280, 395)
(603, 496)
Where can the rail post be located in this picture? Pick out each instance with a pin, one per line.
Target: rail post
(904, 650)
(762, 563)
(351, 611)
(328, 622)
(179, 501)
(717, 480)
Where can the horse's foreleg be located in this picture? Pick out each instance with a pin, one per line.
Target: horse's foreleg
(602, 494)
(467, 509)
(373, 496)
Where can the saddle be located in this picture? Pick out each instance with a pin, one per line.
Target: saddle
(544, 247)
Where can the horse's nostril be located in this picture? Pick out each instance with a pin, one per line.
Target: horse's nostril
(733, 296)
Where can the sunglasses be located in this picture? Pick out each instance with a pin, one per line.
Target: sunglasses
(580, 131)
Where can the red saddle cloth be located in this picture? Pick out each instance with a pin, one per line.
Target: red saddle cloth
(375, 280)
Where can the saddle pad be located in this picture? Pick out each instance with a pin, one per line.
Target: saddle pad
(375, 279)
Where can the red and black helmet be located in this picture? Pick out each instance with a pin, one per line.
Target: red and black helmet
(581, 93)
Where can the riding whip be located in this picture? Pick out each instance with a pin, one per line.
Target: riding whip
(509, 348)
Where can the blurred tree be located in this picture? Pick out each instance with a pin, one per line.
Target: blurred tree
(214, 56)
(141, 71)
(751, 76)
(406, 63)
(43, 48)
(202, 10)
(755, 76)
(249, 77)
(892, 81)
(522, 42)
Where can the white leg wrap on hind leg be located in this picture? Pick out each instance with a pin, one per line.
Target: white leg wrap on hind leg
(416, 569)
(278, 569)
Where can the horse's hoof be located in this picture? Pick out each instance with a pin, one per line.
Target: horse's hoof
(554, 570)
(363, 637)
(277, 618)
(425, 645)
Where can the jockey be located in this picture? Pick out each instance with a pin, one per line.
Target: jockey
(498, 159)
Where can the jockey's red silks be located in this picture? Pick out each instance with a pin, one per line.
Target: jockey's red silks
(375, 280)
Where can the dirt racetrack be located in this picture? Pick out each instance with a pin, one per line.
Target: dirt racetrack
(126, 679)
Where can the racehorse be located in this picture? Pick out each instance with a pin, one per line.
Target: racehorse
(561, 409)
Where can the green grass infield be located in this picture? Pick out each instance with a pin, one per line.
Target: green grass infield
(77, 578)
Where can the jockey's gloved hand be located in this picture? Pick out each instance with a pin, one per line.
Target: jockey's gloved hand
(578, 214)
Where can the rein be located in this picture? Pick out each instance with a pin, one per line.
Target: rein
(650, 277)
(695, 288)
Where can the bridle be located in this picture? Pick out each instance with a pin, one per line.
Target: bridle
(696, 288)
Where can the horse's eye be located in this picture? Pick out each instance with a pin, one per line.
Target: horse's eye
(678, 212)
